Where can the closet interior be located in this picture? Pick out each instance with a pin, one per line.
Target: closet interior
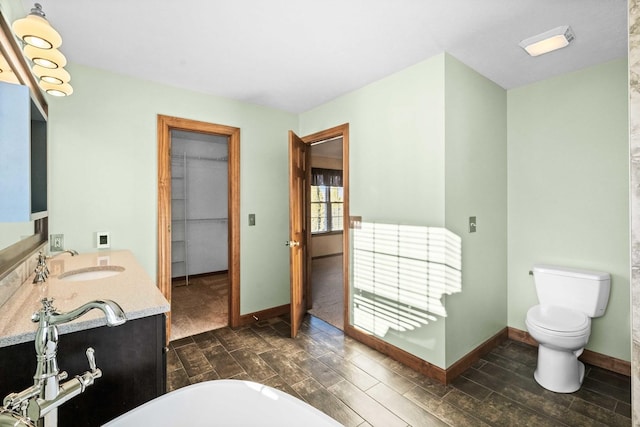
(199, 232)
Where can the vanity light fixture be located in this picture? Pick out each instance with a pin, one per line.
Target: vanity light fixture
(56, 76)
(48, 58)
(41, 47)
(548, 41)
(63, 89)
(36, 31)
(6, 73)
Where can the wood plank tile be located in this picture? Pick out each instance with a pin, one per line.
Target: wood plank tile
(229, 339)
(497, 410)
(181, 342)
(612, 378)
(205, 339)
(173, 361)
(319, 397)
(355, 375)
(600, 414)
(511, 365)
(253, 341)
(222, 362)
(607, 390)
(284, 366)
(382, 374)
(504, 376)
(278, 383)
(253, 365)
(404, 408)
(205, 376)
(177, 379)
(316, 369)
(193, 360)
(471, 388)
(441, 409)
(276, 340)
(365, 406)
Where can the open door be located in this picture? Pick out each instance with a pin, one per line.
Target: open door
(298, 162)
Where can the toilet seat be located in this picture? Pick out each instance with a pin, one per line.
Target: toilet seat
(559, 321)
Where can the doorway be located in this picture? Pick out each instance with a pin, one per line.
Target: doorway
(302, 290)
(174, 222)
(199, 242)
(326, 209)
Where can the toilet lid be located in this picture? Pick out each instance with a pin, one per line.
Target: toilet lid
(558, 319)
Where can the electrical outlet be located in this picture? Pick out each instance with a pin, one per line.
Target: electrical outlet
(56, 242)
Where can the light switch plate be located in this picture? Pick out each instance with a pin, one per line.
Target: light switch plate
(252, 219)
(473, 225)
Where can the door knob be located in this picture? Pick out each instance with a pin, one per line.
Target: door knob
(292, 243)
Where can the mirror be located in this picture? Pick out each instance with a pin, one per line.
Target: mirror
(19, 240)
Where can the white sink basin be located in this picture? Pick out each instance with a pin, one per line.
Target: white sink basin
(91, 273)
(225, 403)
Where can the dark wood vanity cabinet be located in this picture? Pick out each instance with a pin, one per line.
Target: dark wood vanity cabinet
(131, 357)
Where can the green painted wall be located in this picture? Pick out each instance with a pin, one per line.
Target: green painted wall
(476, 185)
(568, 190)
(428, 147)
(396, 163)
(103, 172)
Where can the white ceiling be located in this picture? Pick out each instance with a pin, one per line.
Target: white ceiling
(297, 54)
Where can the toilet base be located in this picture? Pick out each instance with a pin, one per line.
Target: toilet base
(559, 371)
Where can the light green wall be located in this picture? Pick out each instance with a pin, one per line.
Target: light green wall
(476, 185)
(568, 190)
(567, 180)
(420, 154)
(103, 173)
(396, 162)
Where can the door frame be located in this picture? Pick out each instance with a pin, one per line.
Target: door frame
(335, 132)
(165, 125)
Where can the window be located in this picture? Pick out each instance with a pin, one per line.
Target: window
(327, 200)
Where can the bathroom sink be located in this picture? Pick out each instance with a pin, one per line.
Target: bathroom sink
(91, 273)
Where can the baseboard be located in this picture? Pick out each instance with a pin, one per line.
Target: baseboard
(247, 319)
(591, 357)
(406, 358)
(443, 376)
(474, 355)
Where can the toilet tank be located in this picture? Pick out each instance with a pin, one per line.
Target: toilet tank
(583, 290)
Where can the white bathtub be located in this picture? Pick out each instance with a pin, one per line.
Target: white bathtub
(224, 403)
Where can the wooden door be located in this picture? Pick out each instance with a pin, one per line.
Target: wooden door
(298, 161)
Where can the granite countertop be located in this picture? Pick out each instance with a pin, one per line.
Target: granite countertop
(132, 289)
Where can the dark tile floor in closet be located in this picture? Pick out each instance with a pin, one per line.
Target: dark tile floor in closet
(360, 387)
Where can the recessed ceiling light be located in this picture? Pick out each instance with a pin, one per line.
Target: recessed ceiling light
(548, 41)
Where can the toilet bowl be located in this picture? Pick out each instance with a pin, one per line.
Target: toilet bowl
(561, 324)
(562, 335)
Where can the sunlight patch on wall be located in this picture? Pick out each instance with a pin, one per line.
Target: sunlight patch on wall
(400, 273)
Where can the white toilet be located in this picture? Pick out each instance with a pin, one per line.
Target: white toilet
(561, 323)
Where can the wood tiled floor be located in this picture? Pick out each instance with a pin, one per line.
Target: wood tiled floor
(201, 306)
(360, 387)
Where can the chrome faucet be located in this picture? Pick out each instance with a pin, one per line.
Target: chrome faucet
(46, 394)
(42, 270)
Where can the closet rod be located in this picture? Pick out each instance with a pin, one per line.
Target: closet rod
(213, 159)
